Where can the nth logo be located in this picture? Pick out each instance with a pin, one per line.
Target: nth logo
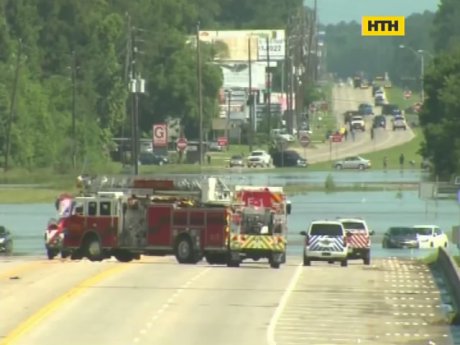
(383, 26)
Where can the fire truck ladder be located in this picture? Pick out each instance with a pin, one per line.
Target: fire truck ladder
(184, 185)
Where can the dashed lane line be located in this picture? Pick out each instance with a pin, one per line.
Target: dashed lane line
(167, 304)
(282, 304)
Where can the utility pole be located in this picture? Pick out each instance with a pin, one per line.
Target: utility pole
(126, 79)
(200, 94)
(134, 118)
(269, 103)
(74, 110)
(251, 100)
(12, 105)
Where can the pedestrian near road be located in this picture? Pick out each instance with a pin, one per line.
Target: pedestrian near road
(345, 133)
(372, 133)
(385, 163)
(401, 161)
(352, 133)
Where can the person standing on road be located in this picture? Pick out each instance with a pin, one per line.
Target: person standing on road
(345, 133)
(352, 134)
(401, 161)
(385, 163)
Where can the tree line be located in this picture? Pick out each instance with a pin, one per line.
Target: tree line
(65, 70)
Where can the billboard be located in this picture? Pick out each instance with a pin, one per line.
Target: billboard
(236, 75)
(238, 47)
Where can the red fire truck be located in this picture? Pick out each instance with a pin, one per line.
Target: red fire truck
(259, 225)
(126, 217)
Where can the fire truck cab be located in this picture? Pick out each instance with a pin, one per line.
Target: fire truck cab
(150, 216)
(259, 225)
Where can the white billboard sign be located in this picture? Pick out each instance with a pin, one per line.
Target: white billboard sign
(276, 49)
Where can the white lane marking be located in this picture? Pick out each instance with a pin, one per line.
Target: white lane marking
(166, 305)
(282, 304)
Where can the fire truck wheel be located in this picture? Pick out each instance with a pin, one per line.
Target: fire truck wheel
(274, 264)
(367, 258)
(184, 250)
(124, 256)
(64, 254)
(51, 253)
(93, 249)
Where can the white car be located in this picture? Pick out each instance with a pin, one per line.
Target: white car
(259, 158)
(325, 241)
(431, 236)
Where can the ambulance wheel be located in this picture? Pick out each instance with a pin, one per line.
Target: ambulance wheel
(367, 258)
(184, 250)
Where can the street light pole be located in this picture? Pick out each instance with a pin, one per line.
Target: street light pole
(419, 53)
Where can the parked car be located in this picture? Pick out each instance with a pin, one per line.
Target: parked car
(400, 237)
(236, 161)
(431, 236)
(149, 158)
(380, 121)
(288, 159)
(214, 147)
(259, 158)
(6, 241)
(353, 162)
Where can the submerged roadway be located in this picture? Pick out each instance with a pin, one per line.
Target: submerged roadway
(157, 301)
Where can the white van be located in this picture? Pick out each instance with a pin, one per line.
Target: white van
(325, 241)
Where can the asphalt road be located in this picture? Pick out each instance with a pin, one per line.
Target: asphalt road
(348, 98)
(157, 301)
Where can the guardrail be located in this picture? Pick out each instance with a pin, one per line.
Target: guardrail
(448, 267)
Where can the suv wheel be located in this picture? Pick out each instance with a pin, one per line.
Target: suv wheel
(344, 263)
(361, 167)
(339, 167)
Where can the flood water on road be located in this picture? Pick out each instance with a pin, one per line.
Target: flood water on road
(380, 209)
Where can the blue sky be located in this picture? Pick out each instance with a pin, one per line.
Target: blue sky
(334, 11)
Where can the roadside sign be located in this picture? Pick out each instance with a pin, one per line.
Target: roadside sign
(304, 141)
(222, 141)
(336, 138)
(181, 144)
(160, 135)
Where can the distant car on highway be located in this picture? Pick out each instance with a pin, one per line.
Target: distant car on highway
(365, 109)
(236, 161)
(431, 236)
(399, 122)
(357, 122)
(353, 162)
(389, 109)
(379, 100)
(6, 241)
(380, 121)
(400, 237)
(348, 115)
